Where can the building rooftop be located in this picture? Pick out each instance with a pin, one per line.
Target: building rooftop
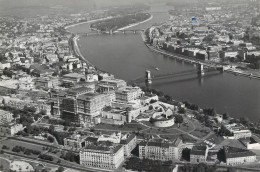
(103, 147)
(232, 152)
(89, 96)
(128, 138)
(198, 150)
(74, 75)
(161, 143)
(79, 90)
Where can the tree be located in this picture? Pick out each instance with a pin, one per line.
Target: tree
(51, 129)
(29, 109)
(107, 108)
(60, 169)
(178, 119)
(182, 111)
(50, 138)
(225, 116)
(153, 101)
(186, 154)
(5, 147)
(150, 107)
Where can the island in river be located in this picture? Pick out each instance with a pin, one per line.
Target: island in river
(115, 23)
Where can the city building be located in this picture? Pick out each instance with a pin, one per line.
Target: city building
(129, 142)
(111, 84)
(102, 155)
(127, 94)
(159, 149)
(19, 104)
(46, 82)
(238, 130)
(5, 117)
(72, 77)
(75, 141)
(113, 116)
(10, 129)
(236, 156)
(199, 154)
(81, 106)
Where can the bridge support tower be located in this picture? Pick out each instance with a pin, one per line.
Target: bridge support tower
(123, 31)
(148, 78)
(200, 69)
(134, 31)
(111, 32)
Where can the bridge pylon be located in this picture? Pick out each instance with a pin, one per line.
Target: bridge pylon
(148, 78)
(111, 32)
(200, 69)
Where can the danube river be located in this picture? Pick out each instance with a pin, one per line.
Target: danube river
(127, 57)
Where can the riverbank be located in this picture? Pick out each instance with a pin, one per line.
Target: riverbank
(193, 60)
(77, 51)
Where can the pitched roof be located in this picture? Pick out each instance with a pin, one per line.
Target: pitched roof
(128, 139)
(198, 150)
(232, 152)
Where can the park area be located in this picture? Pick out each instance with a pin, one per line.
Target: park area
(144, 129)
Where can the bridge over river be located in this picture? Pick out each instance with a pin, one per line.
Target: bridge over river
(111, 32)
(200, 70)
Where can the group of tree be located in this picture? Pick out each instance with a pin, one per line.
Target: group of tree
(191, 106)
(46, 157)
(62, 122)
(70, 156)
(25, 150)
(203, 118)
(60, 169)
(178, 119)
(50, 139)
(8, 73)
(225, 115)
(209, 111)
(223, 131)
(201, 167)
(33, 130)
(137, 164)
(60, 136)
(186, 154)
(182, 110)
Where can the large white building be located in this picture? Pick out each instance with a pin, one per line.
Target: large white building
(236, 156)
(238, 130)
(127, 94)
(129, 142)
(102, 155)
(159, 149)
(111, 84)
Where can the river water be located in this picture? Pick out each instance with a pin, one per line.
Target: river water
(127, 58)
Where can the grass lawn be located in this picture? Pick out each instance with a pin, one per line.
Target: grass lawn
(127, 127)
(170, 137)
(200, 133)
(162, 131)
(216, 139)
(12, 143)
